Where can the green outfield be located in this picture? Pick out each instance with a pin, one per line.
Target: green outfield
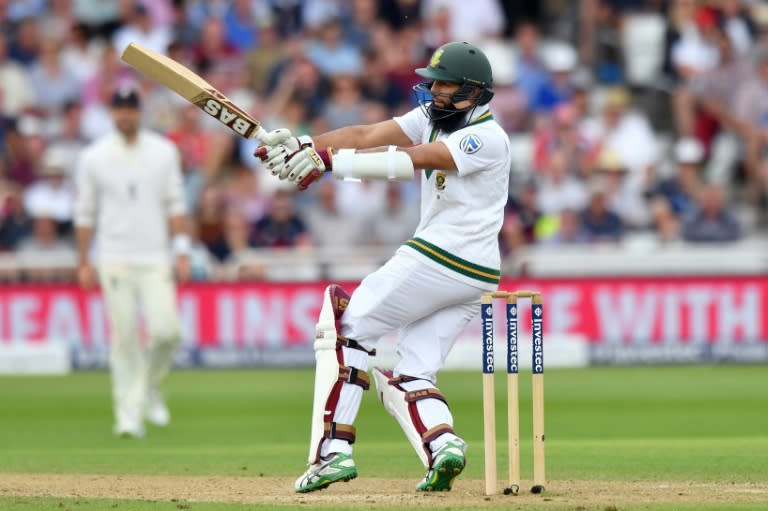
(701, 431)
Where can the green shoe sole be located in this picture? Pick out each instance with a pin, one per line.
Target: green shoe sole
(327, 481)
(443, 475)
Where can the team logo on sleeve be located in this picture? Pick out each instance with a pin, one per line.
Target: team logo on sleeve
(470, 144)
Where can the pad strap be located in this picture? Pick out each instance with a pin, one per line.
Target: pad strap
(433, 433)
(397, 380)
(340, 431)
(418, 395)
(354, 376)
(353, 344)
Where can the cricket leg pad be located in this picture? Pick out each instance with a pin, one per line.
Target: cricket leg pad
(419, 408)
(340, 378)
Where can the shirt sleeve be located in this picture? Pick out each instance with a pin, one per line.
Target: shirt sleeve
(175, 199)
(413, 124)
(85, 193)
(476, 148)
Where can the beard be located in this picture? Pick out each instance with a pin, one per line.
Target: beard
(447, 119)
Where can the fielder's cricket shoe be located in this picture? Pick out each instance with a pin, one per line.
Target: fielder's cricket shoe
(155, 410)
(331, 469)
(129, 429)
(447, 463)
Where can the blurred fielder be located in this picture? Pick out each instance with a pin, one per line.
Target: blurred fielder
(129, 191)
(431, 287)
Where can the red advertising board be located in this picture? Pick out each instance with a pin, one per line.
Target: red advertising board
(640, 312)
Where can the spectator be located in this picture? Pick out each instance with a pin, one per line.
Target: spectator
(666, 223)
(532, 73)
(327, 226)
(375, 85)
(209, 221)
(54, 85)
(362, 20)
(26, 44)
(561, 62)
(345, 106)
(264, 57)
(51, 195)
(600, 223)
(43, 246)
(96, 119)
(331, 54)
(711, 219)
(737, 24)
(200, 260)
(399, 13)
(241, 23)
(568, 229)
(751, 112)
(622, 197)
(80, 55)
(237, 233)
(17, 91)
(562, 134)
(282, 227)
(397, 222)
(193, 143)
(212, 47)
(67, 140)
(15, 224)
(25, 147)
(558, 187)
(139, 28)
(244, 195)
(681, 189)
(521, 215)
(469, 21)
(627, 133)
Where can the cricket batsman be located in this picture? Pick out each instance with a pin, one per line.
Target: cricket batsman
(430, 289)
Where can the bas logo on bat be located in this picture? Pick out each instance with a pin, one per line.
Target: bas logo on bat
(229, 115)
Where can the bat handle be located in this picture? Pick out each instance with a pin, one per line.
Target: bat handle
(259, 132)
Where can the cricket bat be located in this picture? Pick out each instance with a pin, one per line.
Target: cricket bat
(193, 88)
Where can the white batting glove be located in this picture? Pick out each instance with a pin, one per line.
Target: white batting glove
(278, 146)
(275, 137)
(305, 167)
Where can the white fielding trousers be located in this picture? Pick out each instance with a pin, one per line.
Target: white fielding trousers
(128, 289)
(428, 309)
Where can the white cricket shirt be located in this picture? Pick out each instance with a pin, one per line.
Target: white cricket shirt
(462, 212)
(127, 193)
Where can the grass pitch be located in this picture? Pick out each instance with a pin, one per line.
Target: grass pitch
(660, 425)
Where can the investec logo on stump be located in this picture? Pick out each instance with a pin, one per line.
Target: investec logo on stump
(487, 313)
(512, 362)
(538, 348)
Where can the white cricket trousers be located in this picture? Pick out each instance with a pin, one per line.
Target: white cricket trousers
(428, 309)
(128, 289)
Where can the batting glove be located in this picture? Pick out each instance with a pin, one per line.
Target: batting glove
(278, 146)
(307, 166)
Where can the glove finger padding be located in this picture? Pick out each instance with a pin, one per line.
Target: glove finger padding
(303, 163)
(275, 137)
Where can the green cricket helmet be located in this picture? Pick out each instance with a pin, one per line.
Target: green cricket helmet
(461, 63)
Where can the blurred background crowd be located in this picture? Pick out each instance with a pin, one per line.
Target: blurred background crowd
(630, 119)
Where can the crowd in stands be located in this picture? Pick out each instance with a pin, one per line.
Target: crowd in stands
(627, 117)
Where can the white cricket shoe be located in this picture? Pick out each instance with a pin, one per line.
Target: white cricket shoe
(155, 410)
(127, 428)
